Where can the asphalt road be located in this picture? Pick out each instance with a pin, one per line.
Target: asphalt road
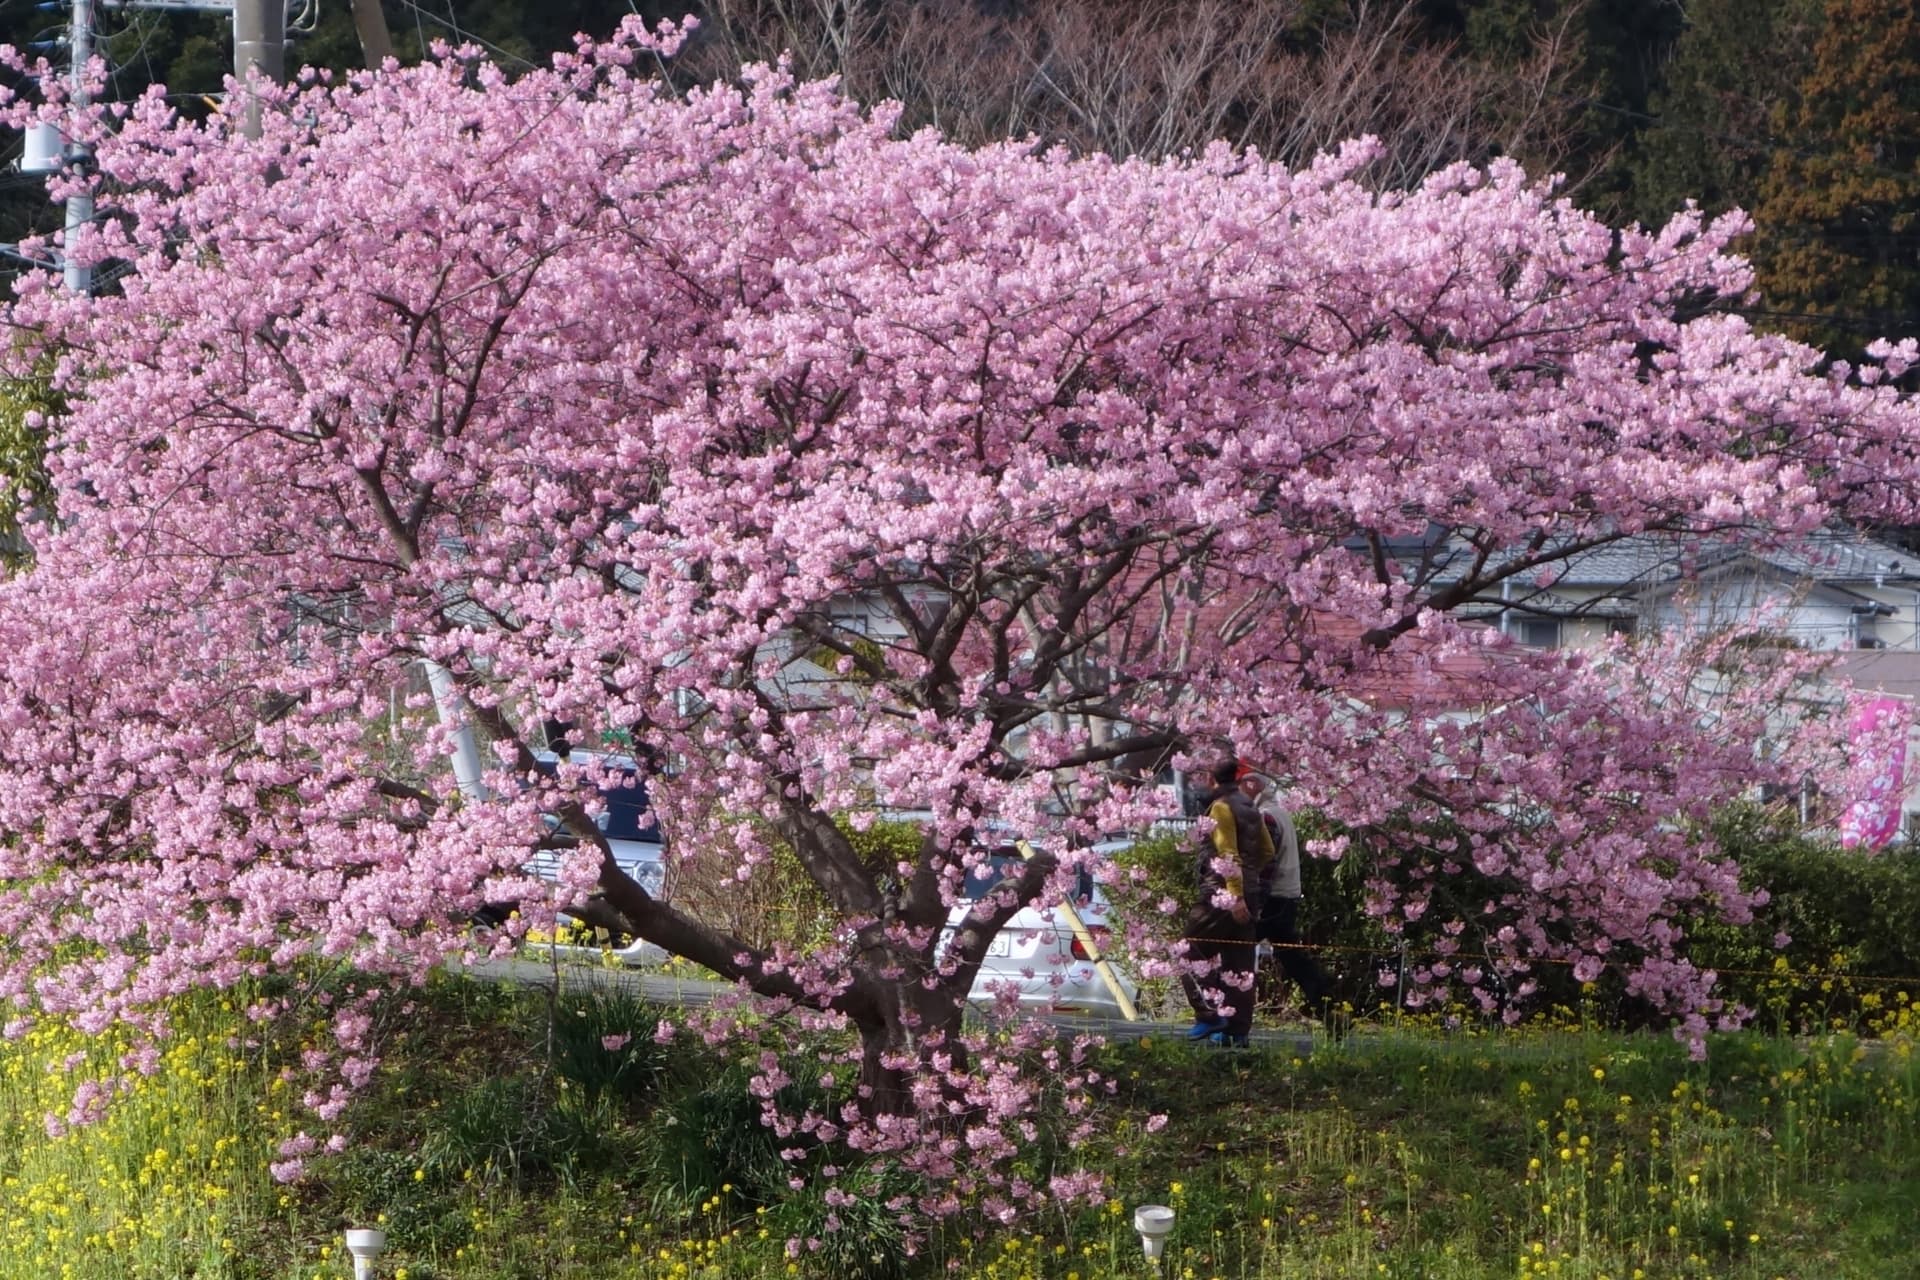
(671, 989)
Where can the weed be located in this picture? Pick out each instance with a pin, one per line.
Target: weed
(603, 1042)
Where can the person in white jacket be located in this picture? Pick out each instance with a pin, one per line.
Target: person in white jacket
(1279, 923)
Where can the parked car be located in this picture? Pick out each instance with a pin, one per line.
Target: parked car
(637, 847)
(1037, 952)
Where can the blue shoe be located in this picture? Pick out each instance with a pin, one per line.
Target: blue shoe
(1227, 1040)
(1205, 1028)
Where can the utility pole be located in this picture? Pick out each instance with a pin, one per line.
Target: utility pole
(259, 41)
(448, 702)
(78, 278)
(370, 21)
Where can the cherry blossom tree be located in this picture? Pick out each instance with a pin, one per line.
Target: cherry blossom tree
(631, 411)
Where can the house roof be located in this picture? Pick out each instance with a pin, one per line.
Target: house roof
(1827, 556)
(1895, 672)
(1844, 556)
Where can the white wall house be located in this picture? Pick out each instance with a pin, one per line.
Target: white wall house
(1835, 591)
(1830, 590)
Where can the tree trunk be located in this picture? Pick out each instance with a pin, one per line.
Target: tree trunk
(912, 1029)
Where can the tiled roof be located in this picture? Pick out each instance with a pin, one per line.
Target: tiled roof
(1644, 560)
(1839, 556)
(1890, 671)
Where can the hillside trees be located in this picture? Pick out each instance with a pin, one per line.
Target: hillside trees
(1727, 96)
(1839, 249)
(614, 401)
(1287, 78)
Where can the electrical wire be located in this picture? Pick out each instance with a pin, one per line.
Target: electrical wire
(453, 25)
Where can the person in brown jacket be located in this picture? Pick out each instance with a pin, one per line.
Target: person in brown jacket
(1231, 862)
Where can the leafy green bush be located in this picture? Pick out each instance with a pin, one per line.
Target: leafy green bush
(707, 1136)
(495, 1130)
(1852, 920)
(602, 1041)
(864, 1238)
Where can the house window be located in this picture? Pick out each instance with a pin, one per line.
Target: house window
(1537, 633)
(851, 617)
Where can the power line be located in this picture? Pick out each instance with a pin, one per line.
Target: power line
(453, 25)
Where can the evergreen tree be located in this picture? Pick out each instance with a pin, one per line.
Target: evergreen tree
(1733, 77)
(1839, 216)
(1613, 50)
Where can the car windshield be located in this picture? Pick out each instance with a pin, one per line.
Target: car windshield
(1004, 864)
(623, 815)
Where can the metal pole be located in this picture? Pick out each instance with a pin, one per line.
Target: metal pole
(370, 21)
(259, 41)
(79, 278)
(1092, 948)
(466, 753)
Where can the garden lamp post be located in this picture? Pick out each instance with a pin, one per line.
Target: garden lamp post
(1154, 1222)
(365, 1244)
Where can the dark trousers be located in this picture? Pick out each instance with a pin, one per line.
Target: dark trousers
(1214, 935)
(1279, 924)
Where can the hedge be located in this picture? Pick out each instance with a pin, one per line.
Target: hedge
(1851, 921)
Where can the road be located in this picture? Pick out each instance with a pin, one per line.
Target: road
(671, 989)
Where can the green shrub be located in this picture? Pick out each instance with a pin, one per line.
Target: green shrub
(707, 1136)
(585, 1022)
(1852, 919)
(512, 1130)
(496, 1130)
(864, 1239)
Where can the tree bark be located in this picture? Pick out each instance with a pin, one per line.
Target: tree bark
(910, 1030)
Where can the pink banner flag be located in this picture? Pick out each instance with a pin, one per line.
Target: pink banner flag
(1877, 778)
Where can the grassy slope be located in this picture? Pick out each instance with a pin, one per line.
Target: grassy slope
(507, 1141)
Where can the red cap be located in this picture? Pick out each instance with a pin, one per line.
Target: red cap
(1244, 772)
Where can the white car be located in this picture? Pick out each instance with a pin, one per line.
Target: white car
(633, 837)
(1037, 953)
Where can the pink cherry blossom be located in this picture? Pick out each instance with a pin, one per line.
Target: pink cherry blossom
(849, 472)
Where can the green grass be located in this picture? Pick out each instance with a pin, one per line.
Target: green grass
(506, 1141)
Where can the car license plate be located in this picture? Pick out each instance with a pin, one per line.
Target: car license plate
(1001, 945)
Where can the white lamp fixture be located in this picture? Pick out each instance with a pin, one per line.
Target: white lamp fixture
(365, 1244)
(44, 151)
(1154, 1222)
